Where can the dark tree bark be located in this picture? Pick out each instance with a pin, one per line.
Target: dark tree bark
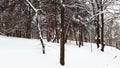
(28, 25)
(57, 35)
(56, 24)
(43, 46)
(102, 28)
(48, 31)
(79, 35)
(75, 35)
(62, 40)
(66, 29)
(98, 32)
(82, 26)
(97, 25)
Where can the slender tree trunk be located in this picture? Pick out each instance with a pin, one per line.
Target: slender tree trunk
(56, 39)
(79, 36)
(98, 32)
(97, 26)
(102, 28)
(48, 31)
(57, 35)
(82, 35)
(66, 29)
(62, 40)
(56, 29)
(43, 46)
(75, 35)
(40, 36)
(28, 30)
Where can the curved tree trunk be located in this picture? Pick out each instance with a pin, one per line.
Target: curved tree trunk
(39, 32)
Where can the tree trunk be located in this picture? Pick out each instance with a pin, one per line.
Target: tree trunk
(40, 37)
(82, 34)
(56, 39)
(62, 47)
(56, 30)
(57, 35)
(79, 36)
(28, 30)
(102, 28)
(75, 35)
(97, 26)
(48, 31)
(98, 32)
(43, 46)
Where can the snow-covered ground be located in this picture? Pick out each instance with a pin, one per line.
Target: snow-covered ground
(25, 53)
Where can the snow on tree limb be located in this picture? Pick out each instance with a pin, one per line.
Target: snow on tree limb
(2, 33)
(104, 11)
(35, 9)
(31, 5)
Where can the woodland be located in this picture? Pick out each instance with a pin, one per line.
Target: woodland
(57, 21)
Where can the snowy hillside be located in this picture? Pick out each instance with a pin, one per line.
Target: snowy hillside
(24, 53)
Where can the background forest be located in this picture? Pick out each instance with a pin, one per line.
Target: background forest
(96, 21)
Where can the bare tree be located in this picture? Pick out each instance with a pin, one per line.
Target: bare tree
(38, 25)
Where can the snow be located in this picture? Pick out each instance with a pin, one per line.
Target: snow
(25, 53)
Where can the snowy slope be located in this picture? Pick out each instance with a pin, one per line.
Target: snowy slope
(25, 53)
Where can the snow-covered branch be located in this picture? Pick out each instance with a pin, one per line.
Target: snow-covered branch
(107, 3)
(35, 9)
(71, 6)
(2, 33)
(31, 5)
(104, 11)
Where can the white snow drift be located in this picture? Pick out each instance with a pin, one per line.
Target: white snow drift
(25, 53)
